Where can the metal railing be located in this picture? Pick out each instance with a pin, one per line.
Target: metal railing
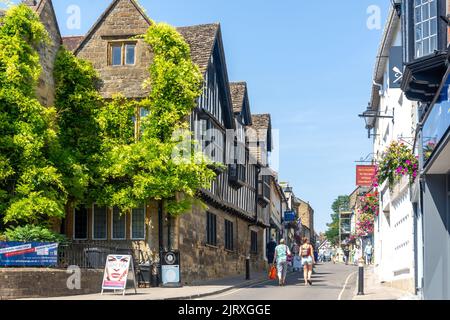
(91, 256)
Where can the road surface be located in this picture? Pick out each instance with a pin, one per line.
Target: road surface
(330, 282)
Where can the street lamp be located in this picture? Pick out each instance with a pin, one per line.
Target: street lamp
(369, 117)
(397, 4)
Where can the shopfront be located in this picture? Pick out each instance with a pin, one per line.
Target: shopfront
(435, 191)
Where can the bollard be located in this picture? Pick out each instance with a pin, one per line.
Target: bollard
(361, 278)
(247, 268)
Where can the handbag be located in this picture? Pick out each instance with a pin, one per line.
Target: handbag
(273, 273)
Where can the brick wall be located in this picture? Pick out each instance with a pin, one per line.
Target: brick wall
(35, 283)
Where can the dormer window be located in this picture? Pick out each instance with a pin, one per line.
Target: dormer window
(122, 53)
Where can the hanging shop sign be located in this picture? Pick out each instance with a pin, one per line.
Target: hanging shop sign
(28, 254)
(289, 216)
(116, 273)
(395, 67)
(365, 175)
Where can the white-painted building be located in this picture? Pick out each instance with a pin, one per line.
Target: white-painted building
(395, 121)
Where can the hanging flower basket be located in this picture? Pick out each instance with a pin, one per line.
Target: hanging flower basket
(398, 161)
(370, 203)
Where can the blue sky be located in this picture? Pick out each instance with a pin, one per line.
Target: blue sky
(308, 63)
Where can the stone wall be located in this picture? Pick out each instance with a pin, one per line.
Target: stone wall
(18, 283)
(121, 23)
(47, 53)
(200, 261)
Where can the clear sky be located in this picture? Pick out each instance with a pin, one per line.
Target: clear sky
(308, 63)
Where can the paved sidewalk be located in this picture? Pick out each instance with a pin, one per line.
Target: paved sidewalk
(374, 290)
(198, 290)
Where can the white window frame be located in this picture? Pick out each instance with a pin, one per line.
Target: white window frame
(93, 224)
(112, 45)
(74, 225)
(131, 224)
(420, 41)
(112, 226)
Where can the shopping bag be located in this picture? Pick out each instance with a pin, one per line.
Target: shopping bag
(273, 273)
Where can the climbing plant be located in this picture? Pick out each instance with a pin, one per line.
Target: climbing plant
(31, 187)
(159, 161)
(78, 105)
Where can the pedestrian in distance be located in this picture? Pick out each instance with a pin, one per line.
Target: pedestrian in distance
(346, 254)
(271, 250)
(281, 255)
(307, 253)
(368, 253)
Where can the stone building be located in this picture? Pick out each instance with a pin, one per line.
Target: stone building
(306, 214)
(214, 242)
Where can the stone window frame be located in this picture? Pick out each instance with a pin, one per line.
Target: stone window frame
(123, 58)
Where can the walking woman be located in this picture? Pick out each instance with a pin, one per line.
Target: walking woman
(308, 261)
(281, 254)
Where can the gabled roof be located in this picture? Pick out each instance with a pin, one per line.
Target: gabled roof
(263, 123)
(104, 15)
(201, 39)
(72, 42)
(237, 95)
(241, 104)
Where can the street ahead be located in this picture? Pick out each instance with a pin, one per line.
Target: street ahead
(330, 282)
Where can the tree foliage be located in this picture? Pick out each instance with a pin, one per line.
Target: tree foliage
(342, 203)
(31, 187)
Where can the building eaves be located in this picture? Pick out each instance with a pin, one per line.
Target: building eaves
(382, 58)
(201, 40)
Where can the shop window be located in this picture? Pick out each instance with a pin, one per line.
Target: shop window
(99, 223)
(80, 224)
(211, 229)
(118, 225)
(138, 223)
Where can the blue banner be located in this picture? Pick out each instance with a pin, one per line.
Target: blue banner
(28, 254)
(290, 216)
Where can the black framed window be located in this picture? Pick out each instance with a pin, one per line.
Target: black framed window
(100, 223)
(229, 235)
(425, 27)
(211, 229)
(118, 225)
(80, 224)
(138, 223)
(253, 242)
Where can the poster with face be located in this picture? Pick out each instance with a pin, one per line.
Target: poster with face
(116, 272)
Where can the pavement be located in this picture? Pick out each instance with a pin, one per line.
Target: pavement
(198, 290)
(330, 282)
(375, 290)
